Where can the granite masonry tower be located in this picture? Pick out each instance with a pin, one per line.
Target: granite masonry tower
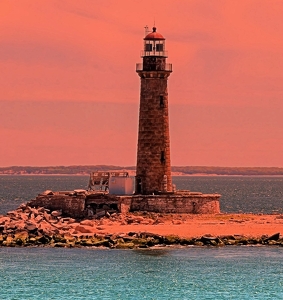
(153, 172)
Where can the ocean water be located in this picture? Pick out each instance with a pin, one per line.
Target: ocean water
(190, 273)
(256, 194)
(236, 272)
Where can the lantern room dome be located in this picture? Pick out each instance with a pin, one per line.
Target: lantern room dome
(154, 35)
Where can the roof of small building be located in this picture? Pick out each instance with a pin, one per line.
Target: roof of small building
(154, 35)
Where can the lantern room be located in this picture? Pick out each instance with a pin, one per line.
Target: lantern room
(154, 44)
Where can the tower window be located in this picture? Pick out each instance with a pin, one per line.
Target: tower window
(161, 101)
(162, 157)
(159, 47)
(148, 47)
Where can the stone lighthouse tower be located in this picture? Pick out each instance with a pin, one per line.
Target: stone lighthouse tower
(153, 172)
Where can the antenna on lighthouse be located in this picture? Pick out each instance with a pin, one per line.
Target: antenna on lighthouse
(146, 30)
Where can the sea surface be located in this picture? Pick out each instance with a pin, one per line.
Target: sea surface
(236, 272)
(255, 194)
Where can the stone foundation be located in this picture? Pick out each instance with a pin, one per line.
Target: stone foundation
(179, 202)
(76, 205)
(71, 205)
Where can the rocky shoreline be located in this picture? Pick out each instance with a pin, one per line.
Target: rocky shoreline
(37, 227)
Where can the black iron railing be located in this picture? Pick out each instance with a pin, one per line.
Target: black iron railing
(154, 53)
(162, 67)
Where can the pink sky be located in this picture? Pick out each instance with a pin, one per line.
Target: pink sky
(69, 93)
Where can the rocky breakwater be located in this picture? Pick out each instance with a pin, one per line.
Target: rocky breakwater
(29, 226)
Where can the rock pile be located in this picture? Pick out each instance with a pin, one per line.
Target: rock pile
(29, 226)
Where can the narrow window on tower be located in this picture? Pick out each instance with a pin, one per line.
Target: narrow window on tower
(161, 101)
(162, 157)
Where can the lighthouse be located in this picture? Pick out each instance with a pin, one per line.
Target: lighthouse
(153, 171)
(153, 185)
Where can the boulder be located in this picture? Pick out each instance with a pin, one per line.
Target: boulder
(100, 228)
(243, 241)
(210, 240)
(138, 219)
(71, 221)
(254, 241)
(11, 225)
(150, 241)
(23, 235)
(23, 216)
(65, 220)
(56, 213)
(198, 243)
(34, 211)
(38, 219)
(22, 206)
(46, 216)
(47, 193)
(59, 238)
(171, 239)
(3, 220)
(41, 210)
(2, 238)
(128, 238)
(66, 227)
(12, 213)
(274, 237)
(186, 241)
(153, 235)
(146, 222)
(177, 222)
(103, 243)
(69, 237)
(87, 222)
(61, 245)
(87, 242)
(31, 228)
(9, 242)
(99, 215)
(45, 226)
(44, 239)
(129, 245)
(83, 229)
(32, 240)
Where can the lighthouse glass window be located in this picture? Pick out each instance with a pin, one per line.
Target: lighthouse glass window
(148, 47)
(159, 47)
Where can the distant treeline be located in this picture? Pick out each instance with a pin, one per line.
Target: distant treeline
(185, 170)
(60, 169)
(229, 170)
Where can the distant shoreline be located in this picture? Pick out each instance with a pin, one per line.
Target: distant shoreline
(35, 174)
(174, 175)
(176, 170)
